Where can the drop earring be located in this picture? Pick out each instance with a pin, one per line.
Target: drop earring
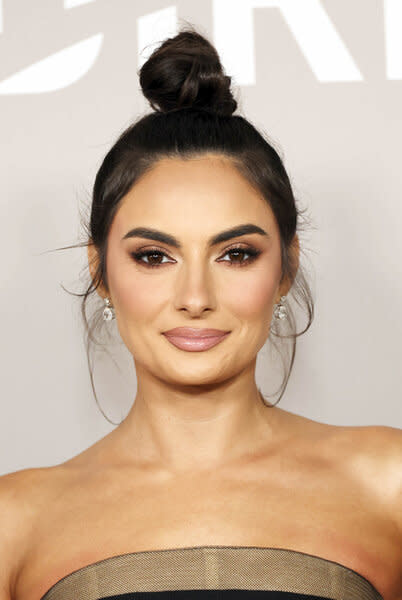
(280, 311)
(108, 311)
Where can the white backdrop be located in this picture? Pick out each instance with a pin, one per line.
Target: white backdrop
(323, 79)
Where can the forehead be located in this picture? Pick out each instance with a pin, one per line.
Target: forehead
(203, 194)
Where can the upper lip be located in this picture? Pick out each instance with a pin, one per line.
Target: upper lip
(194, 332)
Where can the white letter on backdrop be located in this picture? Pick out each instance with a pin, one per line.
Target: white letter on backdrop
(73, 3)
(56, 71)
(321, 45)
(393, 38)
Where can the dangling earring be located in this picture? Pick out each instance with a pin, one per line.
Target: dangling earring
(280, 311)
(108, 311)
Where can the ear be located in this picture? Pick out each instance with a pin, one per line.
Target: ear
(294, 251)
(93, 262)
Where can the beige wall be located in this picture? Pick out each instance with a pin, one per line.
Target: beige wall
(322, 79)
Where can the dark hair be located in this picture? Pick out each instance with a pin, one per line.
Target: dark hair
(185, 84)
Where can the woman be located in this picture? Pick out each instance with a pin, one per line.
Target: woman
(204, 485)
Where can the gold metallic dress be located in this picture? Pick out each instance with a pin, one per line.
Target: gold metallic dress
(214, 573)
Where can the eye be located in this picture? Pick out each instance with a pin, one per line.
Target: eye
(238, 250)
(148, 254)
(252, 252)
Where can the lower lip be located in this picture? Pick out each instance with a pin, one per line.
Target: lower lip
(195, 344)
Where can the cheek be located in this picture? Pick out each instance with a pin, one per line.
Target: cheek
(138, 302)
(136, 296)
(255, 296)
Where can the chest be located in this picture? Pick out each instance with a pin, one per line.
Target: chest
(306, 510)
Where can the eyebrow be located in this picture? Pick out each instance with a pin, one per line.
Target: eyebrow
(223, 236)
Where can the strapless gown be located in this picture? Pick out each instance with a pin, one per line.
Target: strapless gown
(214, 572)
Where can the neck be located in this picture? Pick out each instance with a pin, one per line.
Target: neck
(180, 428)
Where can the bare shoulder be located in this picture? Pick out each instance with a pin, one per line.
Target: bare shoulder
(22, 494)
(379, 454)
(376, 452)
(376, 449)
(13, 521)
(372, 455)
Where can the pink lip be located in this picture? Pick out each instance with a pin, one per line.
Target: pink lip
(193, 332)
(195, 339)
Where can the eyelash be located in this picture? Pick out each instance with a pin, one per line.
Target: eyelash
(253, 252)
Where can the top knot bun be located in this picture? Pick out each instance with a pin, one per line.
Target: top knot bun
(185, 71)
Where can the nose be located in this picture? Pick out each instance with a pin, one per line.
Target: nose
(194, 288)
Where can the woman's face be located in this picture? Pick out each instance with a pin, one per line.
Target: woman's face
(197, 285)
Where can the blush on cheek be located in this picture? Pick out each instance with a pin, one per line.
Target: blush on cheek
(139, 307)
(254, 299)
(138, 301)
